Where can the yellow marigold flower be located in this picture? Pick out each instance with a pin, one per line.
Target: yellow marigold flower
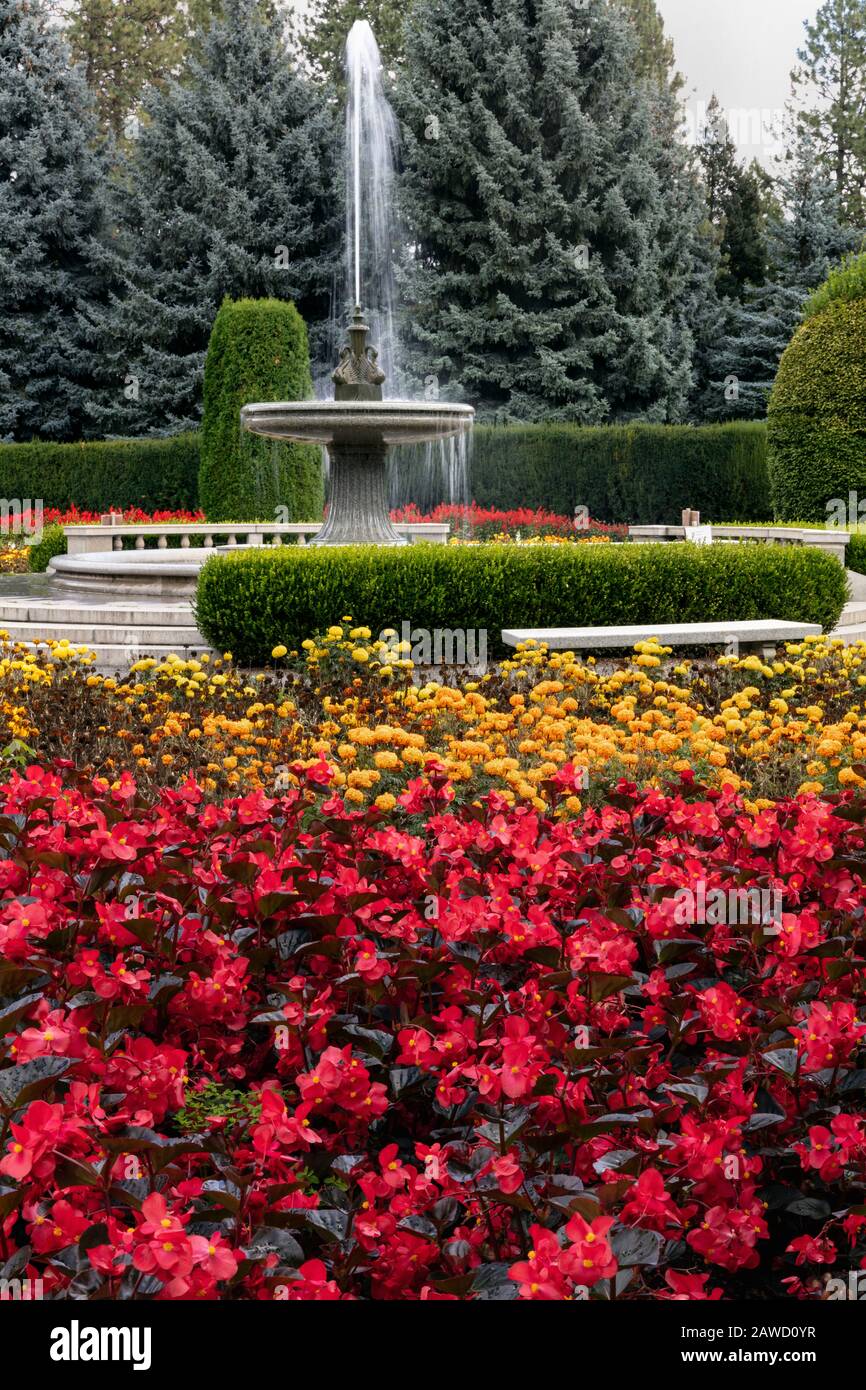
(386, 759)
(386, 802)
(279, 651)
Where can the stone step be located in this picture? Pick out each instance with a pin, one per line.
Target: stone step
(124, 615)
(853, 612)
(854, 632)
(144, 638)
(119, 656)
(856, 584)
(760, 632)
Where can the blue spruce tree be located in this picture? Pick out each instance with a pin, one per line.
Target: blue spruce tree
(231, 189)
(52, 201)
(546, 281)
(805, 238)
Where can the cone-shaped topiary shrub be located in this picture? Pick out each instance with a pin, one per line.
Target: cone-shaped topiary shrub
(257, 352)
(817, 410)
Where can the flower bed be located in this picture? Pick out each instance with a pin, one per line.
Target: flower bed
(487, 523)
(271, 1049)
(795, 725)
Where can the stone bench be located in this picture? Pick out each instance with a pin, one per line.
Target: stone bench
(765, 633)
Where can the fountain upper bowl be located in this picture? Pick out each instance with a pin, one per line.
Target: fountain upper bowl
(357, 422)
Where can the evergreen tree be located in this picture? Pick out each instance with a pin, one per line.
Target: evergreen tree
(543, 275)
(735, 202)
(655, 54)
(323, 36)
(51, 205)
(230, 190)
(831, 80)
(805, 239)
(126, 46)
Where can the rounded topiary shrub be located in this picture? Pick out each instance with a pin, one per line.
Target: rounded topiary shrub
(258, 351)
(817, 411)
(52, 542)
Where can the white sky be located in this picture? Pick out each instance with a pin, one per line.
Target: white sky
(743, 50)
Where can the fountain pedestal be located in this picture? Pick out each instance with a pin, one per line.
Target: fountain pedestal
(358, 504)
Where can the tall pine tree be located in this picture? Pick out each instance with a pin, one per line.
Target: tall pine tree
(830, 81)
(655, 53)
(542, 273)
(735, 201)
(125, 47)
(231, 189)
(51, 207)
(805, 239)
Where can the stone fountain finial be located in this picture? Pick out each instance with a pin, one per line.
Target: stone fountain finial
(359, 376)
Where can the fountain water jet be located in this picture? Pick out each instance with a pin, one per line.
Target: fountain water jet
(372, 230)
(359, 426)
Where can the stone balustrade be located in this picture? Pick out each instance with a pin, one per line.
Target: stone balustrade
(831, 540)
(90, 540)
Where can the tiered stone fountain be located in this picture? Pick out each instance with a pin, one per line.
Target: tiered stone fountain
(358, 427)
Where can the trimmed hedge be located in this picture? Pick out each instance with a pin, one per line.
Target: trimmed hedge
(258, 351)
(640, 474)
(152, 474)
(249, 603)
(855, 554)
(637, 474)
(817, 410)
(41, 554)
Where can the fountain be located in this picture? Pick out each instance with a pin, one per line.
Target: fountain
(117, 600)
(359, 426)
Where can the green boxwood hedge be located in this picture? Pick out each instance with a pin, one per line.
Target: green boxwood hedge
(153, 474)
(855, 554)
(40, 555)
(249, 603)
(817, 410)
(640, 474)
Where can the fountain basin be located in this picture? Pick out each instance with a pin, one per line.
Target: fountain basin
(167, 572)
(358, 432)
(360, 423)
